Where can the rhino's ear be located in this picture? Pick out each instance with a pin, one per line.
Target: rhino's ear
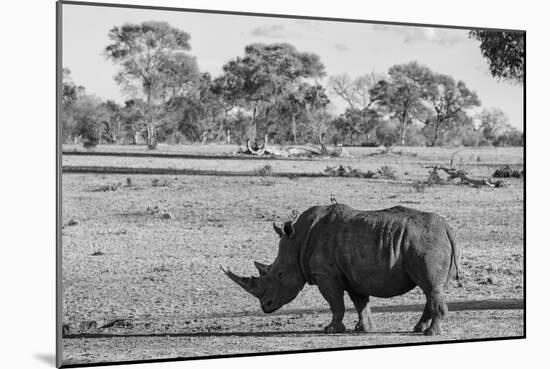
(278, 230)
(288, 229)
(262, 268)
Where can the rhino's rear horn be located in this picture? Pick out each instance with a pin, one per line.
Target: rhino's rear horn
(262, 268)
(278, 230)
(287, 230)
(249, 284)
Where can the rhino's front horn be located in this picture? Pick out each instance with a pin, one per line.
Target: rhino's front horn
(250, 285)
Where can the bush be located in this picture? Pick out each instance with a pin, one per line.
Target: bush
(89, 131)
(387, 134)
(507, 172)
(89, 115)
(264, 171)
(346, 171)
(386, 172)
(415, 137)
(420, 186)
(513, 137)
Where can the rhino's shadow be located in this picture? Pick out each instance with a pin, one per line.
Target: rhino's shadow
(236, 334)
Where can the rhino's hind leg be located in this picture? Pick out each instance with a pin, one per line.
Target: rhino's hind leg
(361, 302)
(438, 308)
(334, 294)
(424, 321)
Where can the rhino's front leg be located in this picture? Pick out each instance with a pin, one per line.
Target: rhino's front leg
(334, 294)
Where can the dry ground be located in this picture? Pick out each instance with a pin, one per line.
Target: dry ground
(407, 162)
(161, 275)
(285, 333)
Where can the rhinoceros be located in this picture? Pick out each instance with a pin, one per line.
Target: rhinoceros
(382, 253)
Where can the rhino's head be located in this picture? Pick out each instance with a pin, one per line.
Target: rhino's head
(280, 282)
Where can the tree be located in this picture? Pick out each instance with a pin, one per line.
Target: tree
(462, 131)
(69, 95)
(493, 123)
(154, 67)
(315, 104)
(113, 125)
(505, 52)
(266, 74)
(387, 134)
(356, 93)
(402, 95)
(70, 90)
(512, 137)
(356, 127)
(348, 126)
(201, 113)
(89, 115)
(447, 99)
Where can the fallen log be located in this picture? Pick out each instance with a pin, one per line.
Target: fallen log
(291, 151)
(465, 178)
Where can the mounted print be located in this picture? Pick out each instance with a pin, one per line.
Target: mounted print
(235, 184)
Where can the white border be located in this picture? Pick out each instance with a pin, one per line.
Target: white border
(28, 181)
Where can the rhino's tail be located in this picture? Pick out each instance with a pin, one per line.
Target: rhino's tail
(455, 256)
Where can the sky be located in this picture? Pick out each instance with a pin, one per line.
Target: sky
(352, 48)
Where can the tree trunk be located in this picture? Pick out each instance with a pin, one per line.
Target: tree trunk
(228, 136)
(436, 133)
(254, 123)
(322, 143)
(403, 127)
(151, 138)
(294, 129)
(118, 139)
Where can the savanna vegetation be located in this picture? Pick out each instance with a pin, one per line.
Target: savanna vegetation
(278, 92)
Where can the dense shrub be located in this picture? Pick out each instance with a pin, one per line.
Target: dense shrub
(387, 134)
(89, 115)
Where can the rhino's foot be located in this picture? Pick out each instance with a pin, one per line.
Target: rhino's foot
(432, 331)
(335, 328)
(421, 327)
(361, 327)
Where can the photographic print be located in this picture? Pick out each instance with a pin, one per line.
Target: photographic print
(237, 184)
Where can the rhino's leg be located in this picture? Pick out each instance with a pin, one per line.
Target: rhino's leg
(334, 294)
(361, 303)
(438, 308)
(424, 321)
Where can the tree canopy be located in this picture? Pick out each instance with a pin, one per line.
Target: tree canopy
(402, 94)
(447, 100)
(154, 66)
(265, 74)
(279, 92)
(505, 52)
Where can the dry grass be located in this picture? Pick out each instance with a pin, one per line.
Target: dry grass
(406, 166)
(286, 333)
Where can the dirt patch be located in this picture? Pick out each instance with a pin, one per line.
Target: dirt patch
(282, 334)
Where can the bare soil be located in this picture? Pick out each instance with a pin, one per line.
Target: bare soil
(285, 333)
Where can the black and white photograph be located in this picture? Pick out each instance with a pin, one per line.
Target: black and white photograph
(235, 184)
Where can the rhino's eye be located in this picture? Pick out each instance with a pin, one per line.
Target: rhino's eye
(280, 274)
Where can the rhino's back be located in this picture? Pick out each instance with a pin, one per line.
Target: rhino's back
(372, 248)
